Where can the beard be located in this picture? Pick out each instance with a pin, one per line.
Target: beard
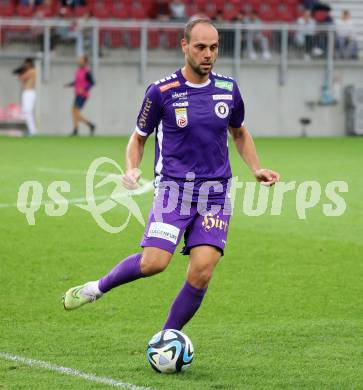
(198, 69)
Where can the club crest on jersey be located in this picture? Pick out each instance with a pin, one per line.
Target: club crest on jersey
(221, 109)
(181, 117)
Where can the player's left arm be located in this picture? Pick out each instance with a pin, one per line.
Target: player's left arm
(25, 76)
(90, 81)
(247, 150)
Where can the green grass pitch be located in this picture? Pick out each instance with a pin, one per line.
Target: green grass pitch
(284, 310)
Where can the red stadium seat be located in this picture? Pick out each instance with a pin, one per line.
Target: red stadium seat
(201, 3)
(25, 11)
(138, 10)
(219, 4)
(148, 6)
(116, 39)
(321, 15)
(192, 9)
(173, 38)
(153, 38)
(111, 37)
(7, 9)
(267, 13)
(294, 3)
(133, 38)
(230, 10)
(81, 11)
(120, 10)
(246, 7)
(211, 9)
(252, 4)
(45, 11)
(286, 14)
(101, 10)
(273, 3)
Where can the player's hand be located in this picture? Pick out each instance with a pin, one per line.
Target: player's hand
(267, 177)
(130, 178)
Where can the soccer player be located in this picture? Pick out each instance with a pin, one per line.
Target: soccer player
(27, 75)
(83, 82)
(192, 111)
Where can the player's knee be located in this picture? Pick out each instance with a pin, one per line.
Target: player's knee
(200, 278)
(151, 265)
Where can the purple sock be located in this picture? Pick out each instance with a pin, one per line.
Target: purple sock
(124, 272)
(184, 306)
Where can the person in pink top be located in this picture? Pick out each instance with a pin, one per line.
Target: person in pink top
(82, 84)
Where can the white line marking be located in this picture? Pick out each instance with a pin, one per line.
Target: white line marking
(71, 371)
(80, 172)
(142, 190)
(146, 186)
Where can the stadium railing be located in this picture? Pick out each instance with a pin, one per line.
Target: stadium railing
(143, 43)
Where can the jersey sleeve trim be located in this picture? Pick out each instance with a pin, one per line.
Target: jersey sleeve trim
(140, 132)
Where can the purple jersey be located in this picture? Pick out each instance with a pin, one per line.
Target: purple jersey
(191, 122)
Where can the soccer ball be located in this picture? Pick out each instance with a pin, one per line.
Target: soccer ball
(170, 351)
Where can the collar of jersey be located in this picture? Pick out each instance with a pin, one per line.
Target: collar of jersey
(189, 84)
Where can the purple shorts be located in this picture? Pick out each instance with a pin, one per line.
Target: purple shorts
(207, 229)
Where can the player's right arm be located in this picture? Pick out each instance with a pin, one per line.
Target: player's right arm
(134, 153)
(147, 120)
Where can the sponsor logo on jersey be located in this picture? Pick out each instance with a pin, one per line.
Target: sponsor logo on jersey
(222, 97)
(144, 113)
(211, 221)
(181, 104)
(180, 95)
(165, 87)
(221, 109)
(181, 117)
(164, 230)
(223, 84)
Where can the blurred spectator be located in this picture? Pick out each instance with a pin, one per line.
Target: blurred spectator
(44, 10)
(177, 10)
(73, 3)
(324, 18)
(33, 3)
(346, 42)
(26, 74)
(305, 36)
(74, 32)
(162, 10)
(82, 84)
(256, 39)
(315, 5)
(226, 37)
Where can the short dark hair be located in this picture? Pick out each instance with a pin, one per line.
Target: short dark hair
(29, 61)
(192, 23)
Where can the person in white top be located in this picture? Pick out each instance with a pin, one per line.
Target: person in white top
(346, 41)
(305, 36)
(26, 74)
(177, 10)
